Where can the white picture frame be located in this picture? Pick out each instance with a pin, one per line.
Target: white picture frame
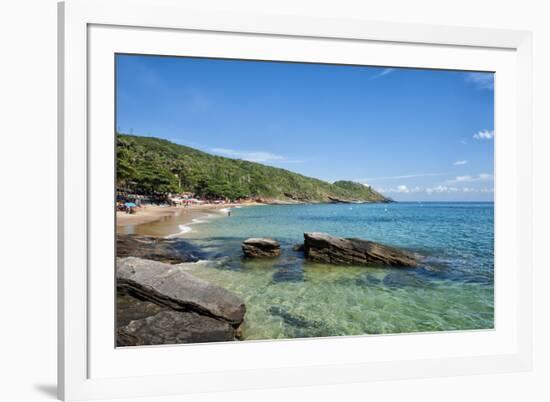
(90, 32)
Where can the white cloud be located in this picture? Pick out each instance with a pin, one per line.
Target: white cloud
(441, 189)
(468, 179)
(485, 176)
(477, 190)
(402, 188)
(382, 73)
(460, 163)
(484, 135)
(481, 80)
(451, 189)
(252, 156)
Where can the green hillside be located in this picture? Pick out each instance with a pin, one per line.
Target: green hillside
(152, 164)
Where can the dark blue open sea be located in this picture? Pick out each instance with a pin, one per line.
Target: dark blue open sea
(288, 297)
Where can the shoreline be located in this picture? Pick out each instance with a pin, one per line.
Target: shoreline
(149, 220)
(152, 213)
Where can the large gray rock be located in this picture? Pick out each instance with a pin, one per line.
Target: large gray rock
(172, 251)
(128, 309)
(261, 247)
(169, 285)
(172, 327)
(323, 248)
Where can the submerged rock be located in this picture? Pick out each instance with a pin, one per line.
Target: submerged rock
(403, 279)
(373, 280)
(172, 251)
(298, 247)
(288, 271)
(172, 327)
(293, 319)
(298, 326)
(170, 286)
(323, 248)
(261, 247)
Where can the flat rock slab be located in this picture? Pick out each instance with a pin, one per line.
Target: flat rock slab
(172, 251)
(257, 247)
(173, 327)
(323, 248)
(170, 286)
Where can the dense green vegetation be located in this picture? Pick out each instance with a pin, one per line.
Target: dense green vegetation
(149, 164)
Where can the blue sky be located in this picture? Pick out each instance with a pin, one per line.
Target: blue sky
(414, 135)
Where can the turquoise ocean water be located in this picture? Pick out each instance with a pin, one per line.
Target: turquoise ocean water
(288, 297)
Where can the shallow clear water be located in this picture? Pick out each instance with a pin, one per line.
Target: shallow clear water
(288, 297)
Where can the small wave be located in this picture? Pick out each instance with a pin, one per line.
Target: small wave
(191, 265)
(195, 263)
(225, 210)
(183, 229)
(195, 220)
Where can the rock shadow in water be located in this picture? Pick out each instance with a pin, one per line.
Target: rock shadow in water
(300, 327)
(362, 280)
(401, 279)
(289, 271)
(393, 279)
(371, 280)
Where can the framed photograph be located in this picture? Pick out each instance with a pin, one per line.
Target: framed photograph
(255, 201)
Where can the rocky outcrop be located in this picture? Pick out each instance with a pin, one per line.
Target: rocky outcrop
(336, 200)
(323, 248)
(130, 308)
(172, 251)
(343, 201)
(173, 327)
(170, 286)
(261, 247)
(277, 201)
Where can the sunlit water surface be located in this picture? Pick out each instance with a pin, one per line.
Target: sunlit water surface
(287, 297)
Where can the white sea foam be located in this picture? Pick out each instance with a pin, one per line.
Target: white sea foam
(186, 229)
(195, 263)
(201, 264)
(183, 229)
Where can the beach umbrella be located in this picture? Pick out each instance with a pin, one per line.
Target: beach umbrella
(130, 205)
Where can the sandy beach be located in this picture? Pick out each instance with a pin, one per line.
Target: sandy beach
(146, 214)
(153, 220)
